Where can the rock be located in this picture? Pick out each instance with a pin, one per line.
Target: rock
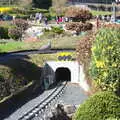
(59, 113)
(69, 109)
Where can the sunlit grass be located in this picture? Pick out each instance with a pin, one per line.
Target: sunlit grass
(41, 59)
(95, 13)
(63, 42)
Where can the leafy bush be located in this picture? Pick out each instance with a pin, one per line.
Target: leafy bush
(15, 33)
(3, 32)
(36, 10)
(78, 26)
(105, 64)
(22, 16)
(53, 32)
(22, 24)
(57, 30)
(78, 14)
(101, 106)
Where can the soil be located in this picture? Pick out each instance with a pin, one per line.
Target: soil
(32, 39)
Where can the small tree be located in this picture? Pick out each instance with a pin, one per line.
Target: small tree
(22, 24)
(15, 33)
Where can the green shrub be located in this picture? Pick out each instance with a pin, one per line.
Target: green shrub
(4, 32)
(22, 16)
(15, 33)
(57, 30)
(36, 10)
(52, 33)
(101, 106)
(105, 62)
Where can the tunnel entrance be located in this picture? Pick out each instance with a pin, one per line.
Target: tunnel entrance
(63, 74)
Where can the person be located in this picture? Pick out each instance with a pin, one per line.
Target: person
(103, 17)
(31, 17)
(57, 19)
(45, 20)
(97, 22)
(13, 17)
(40, 17)
(66, 19)
(1, 16)
(36, 16)
(108, 18)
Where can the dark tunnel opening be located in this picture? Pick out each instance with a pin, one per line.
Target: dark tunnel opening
(63, 74)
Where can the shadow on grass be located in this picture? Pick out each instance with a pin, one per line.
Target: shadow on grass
(21, 67)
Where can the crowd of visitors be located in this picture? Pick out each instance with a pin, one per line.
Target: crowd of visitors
(5, 17)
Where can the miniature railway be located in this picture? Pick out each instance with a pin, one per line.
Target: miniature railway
(36, 51)
(38, 111)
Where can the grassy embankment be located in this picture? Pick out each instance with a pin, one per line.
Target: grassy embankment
(18, 74)
(63, 42)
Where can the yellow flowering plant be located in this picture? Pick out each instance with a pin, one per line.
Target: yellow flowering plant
(105, 60)
(5, 9)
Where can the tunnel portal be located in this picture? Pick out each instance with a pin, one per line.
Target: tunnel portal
(62, 74)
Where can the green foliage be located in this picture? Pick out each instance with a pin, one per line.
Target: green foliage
(36, 10)
(52, 11)
(105, 62)
(15, 33)
(22, 16)
(57, 30)
(3, 32)
(15, 74)
(4, 26)
(101, 106)
(53, 32)
(11, 46)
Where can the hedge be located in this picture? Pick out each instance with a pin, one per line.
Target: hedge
(101, 106)
(105, 62)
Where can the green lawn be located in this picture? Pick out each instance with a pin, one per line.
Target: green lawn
(22, 73)
(40, 59)
(63, 42)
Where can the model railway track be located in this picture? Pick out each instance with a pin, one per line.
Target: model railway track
(36, 51)
(40, 108)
